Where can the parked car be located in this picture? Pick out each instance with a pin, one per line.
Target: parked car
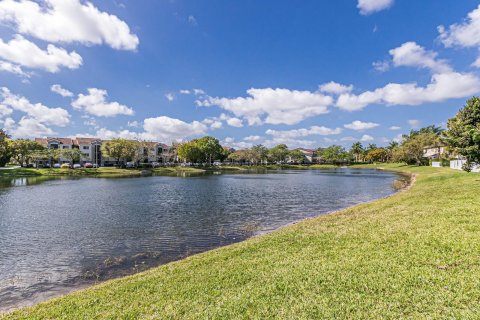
(65, 166)
(155, 164)
(88, 165)
(46, 165)
(77, 166)
(95, 165)
(130, 165)
(57, 165)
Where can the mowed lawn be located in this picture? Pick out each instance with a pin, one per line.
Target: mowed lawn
(413, 255)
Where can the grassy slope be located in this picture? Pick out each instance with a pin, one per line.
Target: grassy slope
(415, 255)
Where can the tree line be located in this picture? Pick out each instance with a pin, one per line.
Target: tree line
(462, 137)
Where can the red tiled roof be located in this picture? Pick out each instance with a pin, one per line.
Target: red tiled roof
(41, 141)
(79, 141)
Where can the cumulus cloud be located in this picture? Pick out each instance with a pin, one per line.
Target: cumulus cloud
(464, 34)
(132, 124)
(170, 96)
(13, 68)
(273, 106)
(252, 138)
(371, 6)
(334, 88)
(441, 87)
(303, 132)
(61, 91)
(360, 125)
(410, 54)
(381, 66)
(23, 52)
(366, 138)
(29, 127)
(162, 129)
(37, 111)
(95, 103)
(67, 21)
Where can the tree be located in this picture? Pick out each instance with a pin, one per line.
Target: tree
(120, 149)
(189, 152)
(411, 149)
(278, 153)
(296, 155)
(259, 153)
(210, 148)
(72, 155)
(23, 150)
(334, 154)
(357, 151)
(5, 150)
(463, 134)
(377, 155)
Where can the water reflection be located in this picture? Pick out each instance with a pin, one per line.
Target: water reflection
(63, 234)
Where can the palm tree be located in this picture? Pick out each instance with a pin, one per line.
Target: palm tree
(357, 150)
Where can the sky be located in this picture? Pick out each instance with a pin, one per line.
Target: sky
(305, 73)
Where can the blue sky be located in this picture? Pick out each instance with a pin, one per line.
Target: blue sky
(310, 73)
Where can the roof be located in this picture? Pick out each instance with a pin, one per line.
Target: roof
(41, 141)
(61, 140)
(85, 140)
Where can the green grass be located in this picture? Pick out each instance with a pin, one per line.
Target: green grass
(414, 255)
(100, 172)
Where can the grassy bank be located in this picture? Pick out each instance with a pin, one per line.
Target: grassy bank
(413, 255)
(100, 172)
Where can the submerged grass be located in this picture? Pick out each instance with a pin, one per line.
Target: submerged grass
(415, 254)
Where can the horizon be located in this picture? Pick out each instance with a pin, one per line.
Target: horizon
(246, 73)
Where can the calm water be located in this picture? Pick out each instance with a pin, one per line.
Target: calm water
(57, 235)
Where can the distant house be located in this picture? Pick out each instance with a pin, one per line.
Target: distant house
(309, 155)
(434, 152)
(91, 150)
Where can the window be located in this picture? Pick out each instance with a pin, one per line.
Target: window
(65, 147)
(86, 148)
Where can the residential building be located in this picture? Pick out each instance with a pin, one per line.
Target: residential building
(434, 152)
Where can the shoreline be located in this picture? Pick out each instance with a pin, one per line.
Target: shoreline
(72, 290)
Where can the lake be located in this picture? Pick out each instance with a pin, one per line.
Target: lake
(57, 235)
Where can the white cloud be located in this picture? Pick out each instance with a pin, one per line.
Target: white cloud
(132, 124)
(185, 91)
(348, 139)
(359, 125)
(162, 129)
(371, 6)
(170, 97)
(335, 88)
(252, 138)
(275, 106)
(366, 138)
(235, 122)
(414, 124)
(411, 54)
(95, 103)
(464, 34)
(476, 63)
(67, 21)
(170, 129)
(192, 20)
(29, 127)
(27, 54)
(198, 92)
(37, 111)
(13, 68)
(216, 125)
(303, 132)
(441, 87)
(5, 111)
(61, 91)
(381, 66)
(394, 128)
